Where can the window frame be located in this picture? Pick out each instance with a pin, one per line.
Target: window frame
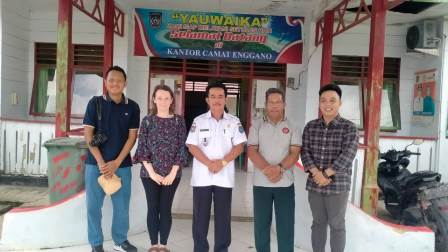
(354, 81)
(84, 70)
(76, 68)
(362, 80)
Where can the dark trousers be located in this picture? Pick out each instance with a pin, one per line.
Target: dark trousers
(284, 203)
(202, 201)
(328, 209)
(159, 199)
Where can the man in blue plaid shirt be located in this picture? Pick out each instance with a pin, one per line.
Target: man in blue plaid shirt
(329, 147)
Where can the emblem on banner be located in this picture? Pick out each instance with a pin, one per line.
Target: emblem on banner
(155, 18)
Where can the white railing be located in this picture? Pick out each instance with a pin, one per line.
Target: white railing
(22, 150)
(426, 161)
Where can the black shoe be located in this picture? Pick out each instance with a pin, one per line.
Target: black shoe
(98, 248)
(125, 247)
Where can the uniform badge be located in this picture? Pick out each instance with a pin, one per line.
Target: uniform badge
(205, 142)
(285, 130)
(193, 127)
(240, 128)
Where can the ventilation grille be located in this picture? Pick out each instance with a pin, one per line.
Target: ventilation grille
(84, 55)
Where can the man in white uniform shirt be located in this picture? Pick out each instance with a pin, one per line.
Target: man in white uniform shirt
(215, 140)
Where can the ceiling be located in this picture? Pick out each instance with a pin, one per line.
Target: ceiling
(271, 7)
(308, 8)
(396, 18)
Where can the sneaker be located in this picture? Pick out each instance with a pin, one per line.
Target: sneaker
(125, 247)
(98, 248)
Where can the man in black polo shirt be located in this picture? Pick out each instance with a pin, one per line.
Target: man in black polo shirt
(120, 117)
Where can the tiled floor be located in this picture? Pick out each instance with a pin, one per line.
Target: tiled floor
(180, 239)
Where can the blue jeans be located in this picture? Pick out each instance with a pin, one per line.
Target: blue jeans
(120, 203)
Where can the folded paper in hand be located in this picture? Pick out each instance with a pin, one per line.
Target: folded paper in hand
(111, 185)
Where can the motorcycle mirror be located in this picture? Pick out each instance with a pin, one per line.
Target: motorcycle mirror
(417, 141)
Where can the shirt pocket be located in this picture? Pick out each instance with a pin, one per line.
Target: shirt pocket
(228, 132)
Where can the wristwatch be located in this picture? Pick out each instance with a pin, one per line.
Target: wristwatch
(282, 170)
(224, 163)
(324, 172)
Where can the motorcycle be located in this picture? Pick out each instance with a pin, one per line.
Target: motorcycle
(414, 199)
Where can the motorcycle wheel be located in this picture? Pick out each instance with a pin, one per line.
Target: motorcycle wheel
(440, 232)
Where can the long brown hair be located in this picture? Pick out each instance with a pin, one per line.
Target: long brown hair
(164, 88)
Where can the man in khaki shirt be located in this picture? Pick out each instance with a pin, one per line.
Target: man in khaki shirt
(274, 147)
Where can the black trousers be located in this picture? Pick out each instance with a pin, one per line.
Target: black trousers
(202, 201)
(159, 199)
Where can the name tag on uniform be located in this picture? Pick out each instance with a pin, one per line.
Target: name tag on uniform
(204, 135)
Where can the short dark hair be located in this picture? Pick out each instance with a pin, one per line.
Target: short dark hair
(274, 91)
(216, 84)
(116, 68)
(331, 87)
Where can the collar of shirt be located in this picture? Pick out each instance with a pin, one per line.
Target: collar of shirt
(268, 120)
(124, 99)
(224, 116)
(335, 122)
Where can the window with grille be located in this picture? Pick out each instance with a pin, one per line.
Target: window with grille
(87, 79)
(350, 73)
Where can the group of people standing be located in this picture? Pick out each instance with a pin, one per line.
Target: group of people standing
(327, 147)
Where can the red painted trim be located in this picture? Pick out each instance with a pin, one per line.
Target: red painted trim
(116, 21)
(30, 209)
(398, 226)
(117, 15)
(76, 132)
(403, 227)
(362, 15)
(394, 3)
(235, 76)
(122, 22)
(362, 146)
(327, 48)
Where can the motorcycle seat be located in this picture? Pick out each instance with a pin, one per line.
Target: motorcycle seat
(418, 179)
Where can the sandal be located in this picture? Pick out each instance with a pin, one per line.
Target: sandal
(153, 249)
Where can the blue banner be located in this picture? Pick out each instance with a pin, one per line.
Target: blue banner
(217, 36)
